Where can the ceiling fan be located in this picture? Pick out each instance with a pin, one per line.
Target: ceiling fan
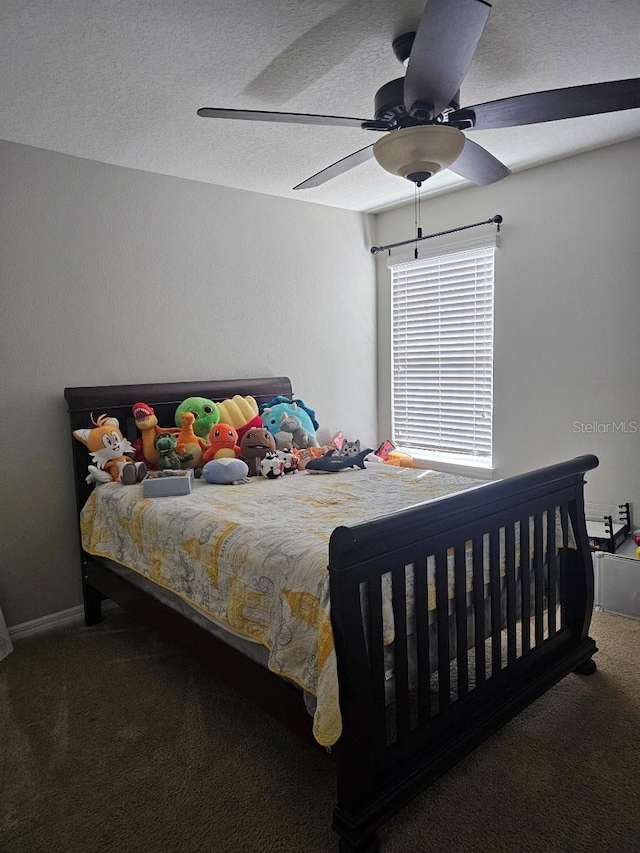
(420, 113)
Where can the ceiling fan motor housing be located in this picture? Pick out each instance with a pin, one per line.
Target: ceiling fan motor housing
(389, 106)
(389, 101)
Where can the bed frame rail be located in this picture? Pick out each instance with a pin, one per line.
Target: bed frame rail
(468, 608)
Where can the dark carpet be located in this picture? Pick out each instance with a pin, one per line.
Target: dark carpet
(112, 740)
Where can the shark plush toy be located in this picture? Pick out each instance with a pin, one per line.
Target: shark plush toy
(331, 463)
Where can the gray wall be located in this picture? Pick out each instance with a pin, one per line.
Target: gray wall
(111, 275)
(567, 312)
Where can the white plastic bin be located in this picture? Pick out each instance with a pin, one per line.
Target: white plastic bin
(617, 581)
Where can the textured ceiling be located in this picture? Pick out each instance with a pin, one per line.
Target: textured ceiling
(120, 82)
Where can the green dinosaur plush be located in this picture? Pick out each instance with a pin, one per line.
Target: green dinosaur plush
(168, 458)
(206, 414)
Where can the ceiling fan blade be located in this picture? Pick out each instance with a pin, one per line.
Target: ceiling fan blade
(477, 165)
(338, 168)
(442, 51)
(555, 104)
(290, 118)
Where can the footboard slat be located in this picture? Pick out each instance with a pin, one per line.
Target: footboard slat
(478, 609)
(460, 580)
(525, 583)
(564, 522)
(423, 644)
(510, 576)
(552, 574)
(376, 654)
(442, 605)
(538, 578)
(496, 620)
(400, 658)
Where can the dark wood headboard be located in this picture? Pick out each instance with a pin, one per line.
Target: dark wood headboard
(164, 397)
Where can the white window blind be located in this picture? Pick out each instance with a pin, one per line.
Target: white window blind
(442, 316)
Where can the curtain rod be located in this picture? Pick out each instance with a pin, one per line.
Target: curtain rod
(497, 219)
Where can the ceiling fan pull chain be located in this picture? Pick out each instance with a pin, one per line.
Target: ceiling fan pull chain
(417, 214)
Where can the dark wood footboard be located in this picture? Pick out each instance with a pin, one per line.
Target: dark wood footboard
(512, 569)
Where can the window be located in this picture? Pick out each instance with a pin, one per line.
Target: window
(442, 352)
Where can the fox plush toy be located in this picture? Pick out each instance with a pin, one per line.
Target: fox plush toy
(108, 447)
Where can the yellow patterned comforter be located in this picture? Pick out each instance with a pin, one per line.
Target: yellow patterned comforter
(254, 557)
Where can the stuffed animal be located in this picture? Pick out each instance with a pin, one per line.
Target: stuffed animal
(289, 460)
(291, 425)
(226, 471)
(349, 448)
(223, 441)
(190, 444)
(147, 422)
(205, 411)
(108, 449)
(271, 415)
(168, 457)
(332, 463)
(255, 445)
(272, 466)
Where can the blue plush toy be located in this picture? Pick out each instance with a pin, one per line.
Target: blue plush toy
(280, 407)
(226, 471)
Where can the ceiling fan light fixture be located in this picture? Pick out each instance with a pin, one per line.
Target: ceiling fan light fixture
(416, 153)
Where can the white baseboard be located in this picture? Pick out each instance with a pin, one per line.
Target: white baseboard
(62, 619)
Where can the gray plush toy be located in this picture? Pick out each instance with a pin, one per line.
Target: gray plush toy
(349, 448)
(293, 433)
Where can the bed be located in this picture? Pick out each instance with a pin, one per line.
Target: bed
(395, 617)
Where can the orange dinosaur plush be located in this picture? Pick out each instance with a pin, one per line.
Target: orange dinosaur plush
(223, 442)
(189, 443)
